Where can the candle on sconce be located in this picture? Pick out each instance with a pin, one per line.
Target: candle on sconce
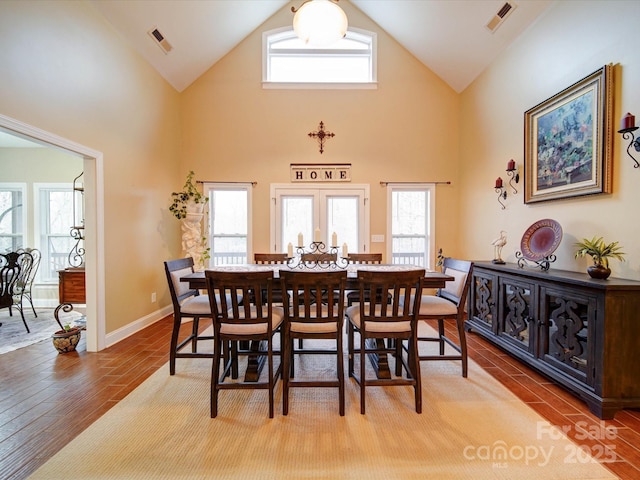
(290, 250)
(300, 240)
(511, 165)
(499, 182)
(628, 122)
(334, 239)
(344, 250)
(316, 235)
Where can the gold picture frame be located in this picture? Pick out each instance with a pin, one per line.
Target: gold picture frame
(568, 141)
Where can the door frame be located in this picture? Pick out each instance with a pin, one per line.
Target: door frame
(93, 167)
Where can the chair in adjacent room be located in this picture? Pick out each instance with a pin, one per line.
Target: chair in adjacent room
(448, 304)
(243, 312)
(376, 320)
(27, 276)
(309, 314)
(187, 303)
(11, 265)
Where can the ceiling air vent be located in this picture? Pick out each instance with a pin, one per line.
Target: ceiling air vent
(160, 40)
(500, 17)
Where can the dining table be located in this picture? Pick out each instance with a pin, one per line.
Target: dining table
(432, 280)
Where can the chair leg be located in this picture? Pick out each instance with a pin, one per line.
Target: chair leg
(286, 356)
(441, 335)
(270, 368)
(340, 372)
(215, 377)
(350, 347)
(174, 344)
(194, 334)
(362, 373)
(414, 364)
(462, 337)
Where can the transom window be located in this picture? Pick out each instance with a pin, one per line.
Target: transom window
(288, 61)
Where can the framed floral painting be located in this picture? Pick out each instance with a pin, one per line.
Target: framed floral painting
(568, 141)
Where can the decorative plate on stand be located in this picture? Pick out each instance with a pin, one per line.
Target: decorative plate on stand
(539, 242)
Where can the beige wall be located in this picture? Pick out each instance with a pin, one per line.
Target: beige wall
(234, 130)
(67, 72)
(570, 41)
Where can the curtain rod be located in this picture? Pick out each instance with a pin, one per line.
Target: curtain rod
(229, 183)
(384, 184)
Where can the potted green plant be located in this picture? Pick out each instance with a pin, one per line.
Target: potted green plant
(65, 340)
(600, 252)
(188, 200)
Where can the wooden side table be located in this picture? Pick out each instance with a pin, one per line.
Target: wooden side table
(71, 290)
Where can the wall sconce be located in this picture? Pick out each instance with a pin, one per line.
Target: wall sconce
(500, 190)
(627, 127)
(513, 174)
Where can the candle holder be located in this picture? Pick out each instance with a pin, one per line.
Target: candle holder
(627, 127)
(502, 193)
(513, 174)
(318, 255)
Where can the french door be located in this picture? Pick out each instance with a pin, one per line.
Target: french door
(301, 210)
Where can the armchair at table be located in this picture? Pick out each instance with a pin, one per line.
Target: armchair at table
(448, 304)
(243, 312)
(314, 310)
(376, 320)
(187, 303)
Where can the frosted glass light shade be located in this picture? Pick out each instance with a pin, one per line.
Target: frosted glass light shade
(320, 22)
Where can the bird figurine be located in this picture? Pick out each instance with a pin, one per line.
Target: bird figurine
(498, 243)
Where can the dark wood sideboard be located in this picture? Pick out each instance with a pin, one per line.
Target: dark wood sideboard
(582, 333)
(71, 286)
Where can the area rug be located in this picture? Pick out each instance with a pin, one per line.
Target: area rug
(13, 335)
(470, 429)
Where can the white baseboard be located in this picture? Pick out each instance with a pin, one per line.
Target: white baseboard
(134, 327)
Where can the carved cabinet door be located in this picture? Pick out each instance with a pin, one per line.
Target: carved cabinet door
(517, 311)
(482, 301)
(567, 331)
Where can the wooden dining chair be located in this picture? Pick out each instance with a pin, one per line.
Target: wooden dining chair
(448, 304)
(269, 258)
(187, 303)
(308, 314)
(353, 296)
(376, 320)
(243, 312)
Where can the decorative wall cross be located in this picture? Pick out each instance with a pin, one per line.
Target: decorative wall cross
(321, 135)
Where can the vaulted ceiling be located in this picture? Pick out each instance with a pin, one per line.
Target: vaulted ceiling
(449, 36)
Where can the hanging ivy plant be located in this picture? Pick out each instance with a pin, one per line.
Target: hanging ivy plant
(189, 194)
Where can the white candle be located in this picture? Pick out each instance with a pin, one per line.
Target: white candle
(290, 250)
(300, 242)
(316, 235)
(344, 250)
(334, 239)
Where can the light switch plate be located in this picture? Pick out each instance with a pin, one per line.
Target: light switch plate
(377, 238)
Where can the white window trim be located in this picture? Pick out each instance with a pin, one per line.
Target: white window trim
(37, 223)
(431, 234)
(277, 189)
(372, 85)
(207, 187)
(22, 187)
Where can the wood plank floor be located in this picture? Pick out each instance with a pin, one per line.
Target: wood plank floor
(47, 399)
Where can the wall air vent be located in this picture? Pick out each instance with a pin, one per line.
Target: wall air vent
(160, 40)
(500, 17)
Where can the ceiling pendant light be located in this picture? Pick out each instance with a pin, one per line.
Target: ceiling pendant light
(319, 22)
